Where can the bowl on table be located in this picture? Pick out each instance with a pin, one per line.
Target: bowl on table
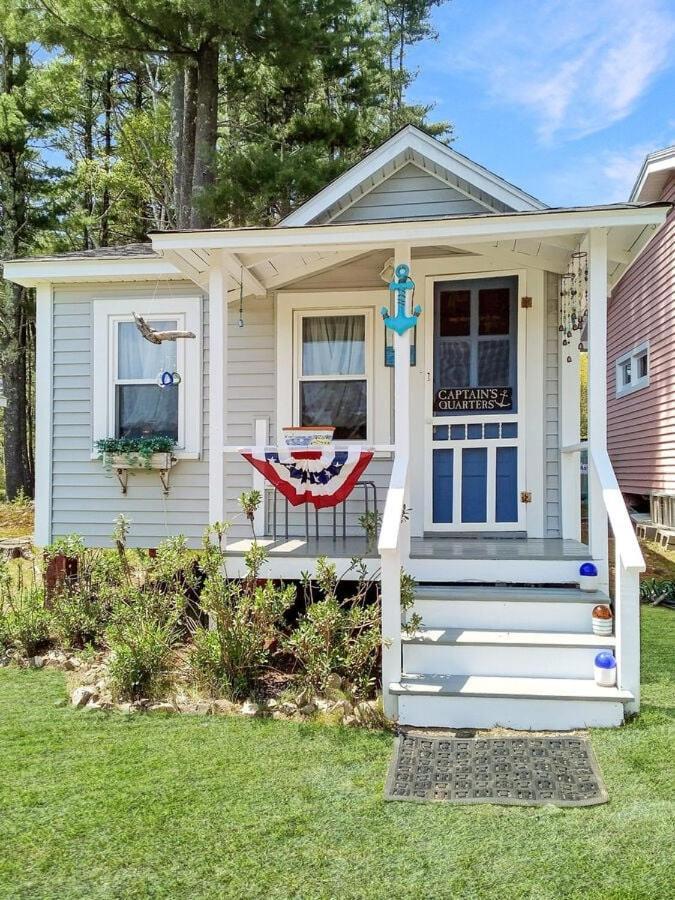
(308, 435)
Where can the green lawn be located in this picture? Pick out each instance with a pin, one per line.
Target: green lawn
(105, 805)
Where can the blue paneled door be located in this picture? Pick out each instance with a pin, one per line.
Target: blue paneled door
(475, 443)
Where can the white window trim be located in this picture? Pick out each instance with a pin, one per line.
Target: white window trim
(291, 307)
(636, 383)
(187, 312)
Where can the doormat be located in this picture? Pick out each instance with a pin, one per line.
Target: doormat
(514, 771)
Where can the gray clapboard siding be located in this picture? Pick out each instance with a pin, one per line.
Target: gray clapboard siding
(552, 409)
(410, 193)
(84, 498)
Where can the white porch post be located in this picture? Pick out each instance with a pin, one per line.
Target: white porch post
(395, 533)
(402, 402)
(218, 329)
(597, 396)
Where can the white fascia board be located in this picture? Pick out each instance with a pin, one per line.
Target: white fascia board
(656, 164)
(29, 272)
(411, 138)
(374, 235)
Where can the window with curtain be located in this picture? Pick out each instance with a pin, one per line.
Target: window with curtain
(333, 383)
(143, 408)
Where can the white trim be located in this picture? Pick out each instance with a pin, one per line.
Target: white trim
(44, 379)
(636, 382)
(290, 309)
(29, 272)
(407, 140)
(108, 313)
(375, 235)
(656, 168)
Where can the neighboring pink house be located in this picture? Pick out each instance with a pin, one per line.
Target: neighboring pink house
(641, 354)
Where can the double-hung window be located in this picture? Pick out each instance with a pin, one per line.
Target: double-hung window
(129, 397)
(333, 366)
(632, 370)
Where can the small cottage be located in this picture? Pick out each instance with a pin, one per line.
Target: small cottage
(430, 313)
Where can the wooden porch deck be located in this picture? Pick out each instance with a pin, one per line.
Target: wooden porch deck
(449, 547)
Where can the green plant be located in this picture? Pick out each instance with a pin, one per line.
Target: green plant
(246, 618)
(141, 649)
(250, 502)
(137, 452)
(370, 522)
(338, 636)
(24, 620)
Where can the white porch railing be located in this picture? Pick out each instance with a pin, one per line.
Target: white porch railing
(393, 553)
(628, 563)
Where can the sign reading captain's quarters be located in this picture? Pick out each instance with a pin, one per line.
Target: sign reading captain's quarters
(483, 399)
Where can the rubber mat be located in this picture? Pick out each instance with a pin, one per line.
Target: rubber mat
(523, 771)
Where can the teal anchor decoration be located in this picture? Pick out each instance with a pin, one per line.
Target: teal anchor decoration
(401, 322)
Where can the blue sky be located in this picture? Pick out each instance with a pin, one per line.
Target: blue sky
(562, 97)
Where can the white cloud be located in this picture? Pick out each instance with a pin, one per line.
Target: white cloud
(577, 65)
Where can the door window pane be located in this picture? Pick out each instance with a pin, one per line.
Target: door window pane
(494, 310)
(333, 345)
(455, 313)
(454, 358)
(137, 358)
(493, 363)
(339, 403)
(147, 410)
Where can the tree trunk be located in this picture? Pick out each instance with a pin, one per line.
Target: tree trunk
(18, 466)
(107, 153)
(177, 122)
(88, 128)
(206, 133)
(185, 163)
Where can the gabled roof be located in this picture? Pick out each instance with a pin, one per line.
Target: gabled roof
(655, 172)
(411, 145)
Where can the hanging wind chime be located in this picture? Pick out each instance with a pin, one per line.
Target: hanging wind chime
(574, 300)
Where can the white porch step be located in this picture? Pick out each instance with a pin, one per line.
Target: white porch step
(456, 651)
(524, 608)
(479, 701)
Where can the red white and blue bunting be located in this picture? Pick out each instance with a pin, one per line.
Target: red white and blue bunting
(323, 477)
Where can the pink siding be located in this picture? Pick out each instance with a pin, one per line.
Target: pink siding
(641, 425)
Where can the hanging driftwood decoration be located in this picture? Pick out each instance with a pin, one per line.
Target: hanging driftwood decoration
(156, 337)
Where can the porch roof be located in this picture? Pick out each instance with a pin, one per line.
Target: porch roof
(270, 258)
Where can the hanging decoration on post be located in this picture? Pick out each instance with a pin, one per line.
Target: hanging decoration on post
(574, 300)
(401, 321)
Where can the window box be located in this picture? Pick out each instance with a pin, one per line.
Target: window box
(123, 459)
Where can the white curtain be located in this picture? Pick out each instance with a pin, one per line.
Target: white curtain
(333, 345)
(145, 410)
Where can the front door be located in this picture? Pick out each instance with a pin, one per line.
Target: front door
(476, 412)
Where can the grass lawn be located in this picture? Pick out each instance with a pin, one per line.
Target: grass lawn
(97, 805)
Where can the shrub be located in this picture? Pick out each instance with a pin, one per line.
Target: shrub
(24, 621)
(340, 636)
(141, 650)
(246, 619)
(658, 592)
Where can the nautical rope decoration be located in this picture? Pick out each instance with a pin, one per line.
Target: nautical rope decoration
(323, 478)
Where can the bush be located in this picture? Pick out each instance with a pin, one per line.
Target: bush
(340, 636)
(246, 619)
(141, 650)
(24, 621)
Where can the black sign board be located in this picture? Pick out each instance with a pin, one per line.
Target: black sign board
(479, 399)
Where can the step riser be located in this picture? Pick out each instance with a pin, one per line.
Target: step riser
(510, 615)
(491, 712)
(527, 662)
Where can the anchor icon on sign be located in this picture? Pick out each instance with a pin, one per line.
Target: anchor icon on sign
(401, 322)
